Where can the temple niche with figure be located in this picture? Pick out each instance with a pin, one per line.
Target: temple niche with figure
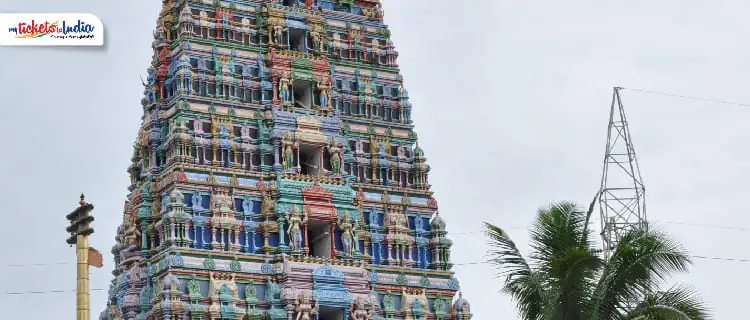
(277, 175)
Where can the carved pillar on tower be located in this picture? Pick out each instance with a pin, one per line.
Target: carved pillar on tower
(333, 243)
(250, 228)
(275, 88)
(290, 311)
(307, 34)
(389, 253)
(355, 241)
(144, 232)
(276, 154)
(266, 236)
(235, 151)
(154, 160)
(299, 161)
(304, 234)
(206, 233)
(282, 232)
(366, 245)
(321, 161)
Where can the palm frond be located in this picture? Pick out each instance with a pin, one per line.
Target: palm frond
(564, 255)
(558, 227)
(574, 281)
(677, 303)
(504, 253)
(530, 295)
(642, 260)
(521, 282)
(591, 209)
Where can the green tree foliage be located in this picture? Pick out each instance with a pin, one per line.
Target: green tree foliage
(566, 278)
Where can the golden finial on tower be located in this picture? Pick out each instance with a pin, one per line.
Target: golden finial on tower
(82, 202)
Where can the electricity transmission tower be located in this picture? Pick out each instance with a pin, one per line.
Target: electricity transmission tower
(622, 195)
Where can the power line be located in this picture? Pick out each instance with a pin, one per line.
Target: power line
(35, 264)
(45, 292)
(688, 97)
(692, 256)
(721, 259)
(711, 226)
(475, 232)
(702, 225)
(471, 263)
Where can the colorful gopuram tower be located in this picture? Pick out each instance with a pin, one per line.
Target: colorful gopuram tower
(276, 174)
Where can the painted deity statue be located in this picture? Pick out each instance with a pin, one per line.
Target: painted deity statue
(278, 34)
(305, 310)
(335, 159)
(267, 205)
(287, 158)
(288, 162)
(347, 234)
(368, 94)
(389, 302)
(370, 13)
(131, 233)
(200, 143)
(373, 90)
(357, 41)
(375, 12)
(324, 88)
(439, 304)
(284, 88)
(272, 290)
(378, 11)
(296, 220)
(359, 312)
(336, 163)
(315, 40)
(375, 48)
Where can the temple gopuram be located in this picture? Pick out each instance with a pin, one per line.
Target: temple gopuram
(276, 174)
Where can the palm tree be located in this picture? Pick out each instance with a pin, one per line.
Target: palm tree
(565, 276)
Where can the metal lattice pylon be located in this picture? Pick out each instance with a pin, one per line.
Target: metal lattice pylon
(622, 198)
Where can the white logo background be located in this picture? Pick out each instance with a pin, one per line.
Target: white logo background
(11, 20)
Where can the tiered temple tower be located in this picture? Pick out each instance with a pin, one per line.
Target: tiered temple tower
(276, 174)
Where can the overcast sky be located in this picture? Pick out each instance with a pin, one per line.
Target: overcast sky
(510, 102)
